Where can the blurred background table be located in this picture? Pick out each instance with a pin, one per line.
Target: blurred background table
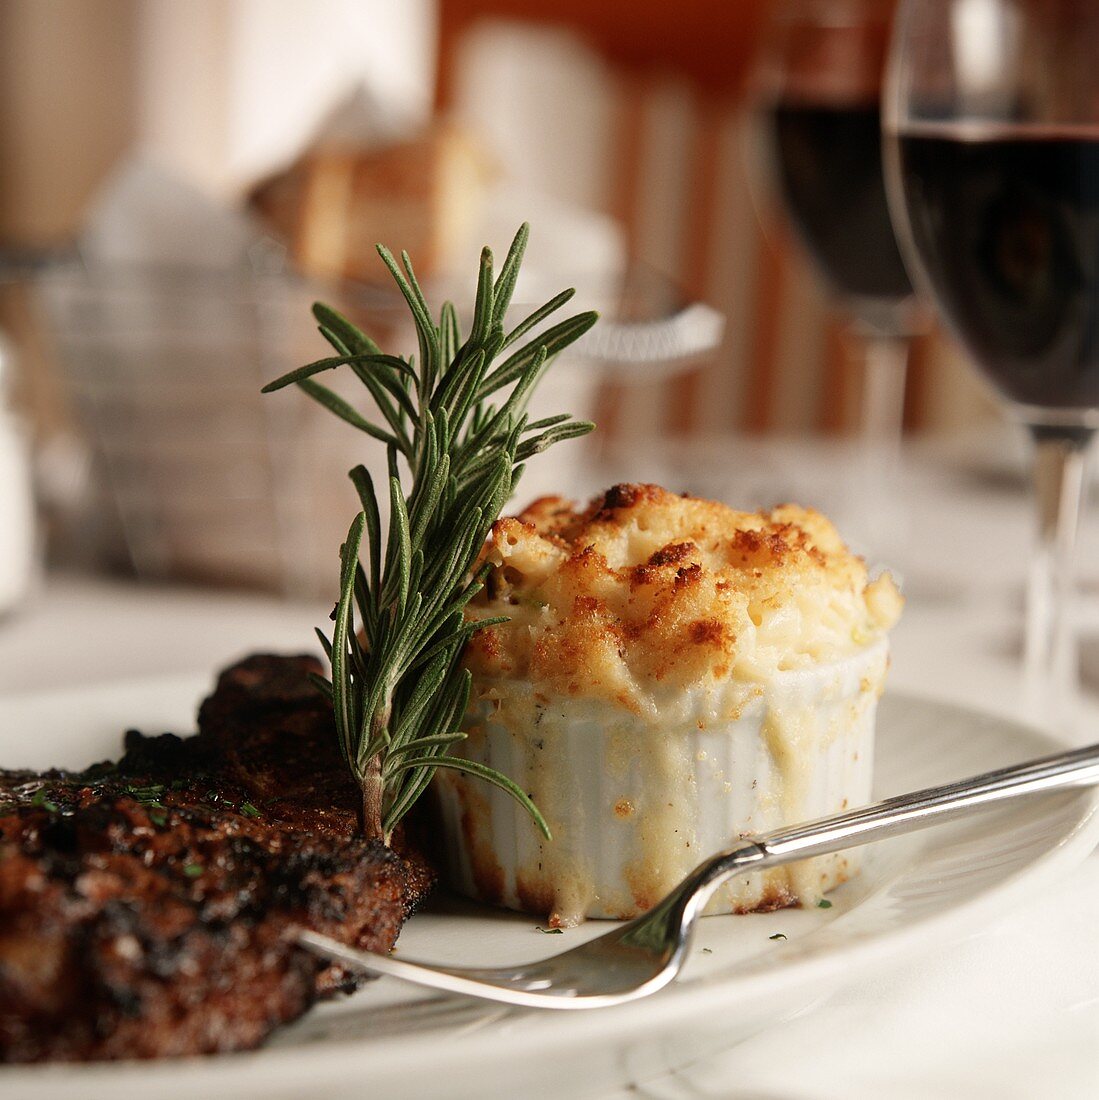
(1011, 1010)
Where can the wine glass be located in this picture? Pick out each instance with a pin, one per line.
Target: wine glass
(818, 100)
(992, 151)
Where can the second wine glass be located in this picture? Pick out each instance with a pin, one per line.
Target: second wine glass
(819, 98)
(992, 139)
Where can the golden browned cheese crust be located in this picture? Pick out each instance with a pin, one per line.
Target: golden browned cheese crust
(644, 590)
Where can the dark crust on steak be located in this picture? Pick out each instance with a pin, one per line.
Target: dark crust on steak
(145, 906)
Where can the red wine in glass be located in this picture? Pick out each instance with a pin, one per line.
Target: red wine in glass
(829, 168)
(1006, 223)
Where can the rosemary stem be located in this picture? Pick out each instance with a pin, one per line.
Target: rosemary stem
(372, 791)
(370, 779)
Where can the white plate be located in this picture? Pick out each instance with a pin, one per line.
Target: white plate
(915, 893)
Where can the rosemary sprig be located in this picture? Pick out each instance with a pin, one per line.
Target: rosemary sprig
(397, 686)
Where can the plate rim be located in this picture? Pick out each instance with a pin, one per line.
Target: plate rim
(331, 1061)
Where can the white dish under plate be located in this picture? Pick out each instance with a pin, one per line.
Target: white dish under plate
(393, 1041)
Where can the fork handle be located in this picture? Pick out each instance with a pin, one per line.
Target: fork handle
(920, 809)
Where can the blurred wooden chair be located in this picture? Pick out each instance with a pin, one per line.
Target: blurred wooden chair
(784, 365)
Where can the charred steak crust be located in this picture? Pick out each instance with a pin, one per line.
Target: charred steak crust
(144, 906)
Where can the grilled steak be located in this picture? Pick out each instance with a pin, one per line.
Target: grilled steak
(145, 905)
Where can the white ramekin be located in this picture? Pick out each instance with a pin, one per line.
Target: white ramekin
(635, 802)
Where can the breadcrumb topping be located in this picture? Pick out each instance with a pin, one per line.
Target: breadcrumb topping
(644, 591)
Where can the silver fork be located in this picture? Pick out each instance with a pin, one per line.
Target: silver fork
(636, 959)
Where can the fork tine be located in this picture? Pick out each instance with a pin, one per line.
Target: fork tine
(515, 989)
(631, 961)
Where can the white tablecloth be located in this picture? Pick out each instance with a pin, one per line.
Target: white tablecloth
(1010, 1011)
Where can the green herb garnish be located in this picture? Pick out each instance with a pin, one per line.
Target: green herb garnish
(824, 903)
(777, 936)
(249, 810)
(398, 690)
(149, 798)
(193, 870)
(150, 793)
(42, 801)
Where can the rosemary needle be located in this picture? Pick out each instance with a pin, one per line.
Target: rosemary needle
(397, 685)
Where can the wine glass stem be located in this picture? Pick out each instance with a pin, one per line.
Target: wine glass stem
(1051, 664)
(879, 443)
(883, 391)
